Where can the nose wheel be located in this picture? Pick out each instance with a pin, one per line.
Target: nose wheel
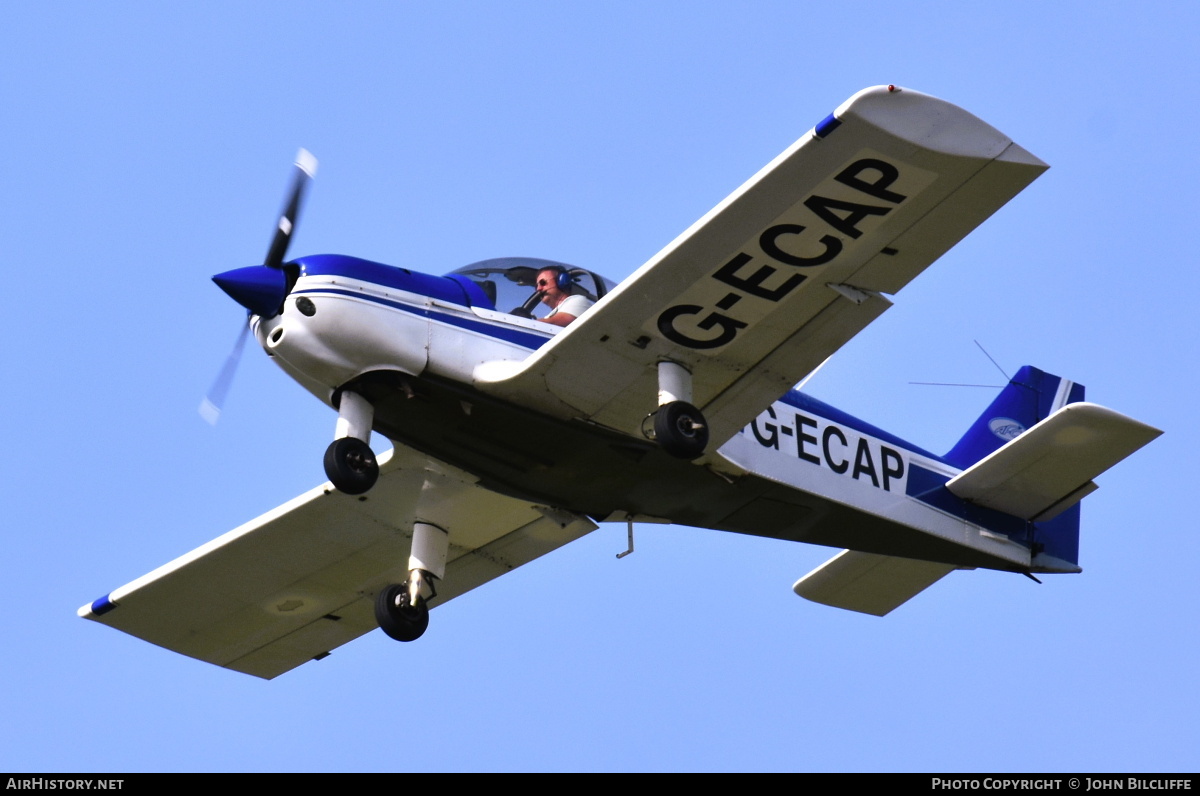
(399, 618)
(350, 464)
(349, 461)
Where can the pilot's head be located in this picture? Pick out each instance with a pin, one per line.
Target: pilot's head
(554, 284)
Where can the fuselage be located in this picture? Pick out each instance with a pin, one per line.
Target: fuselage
(410, 343)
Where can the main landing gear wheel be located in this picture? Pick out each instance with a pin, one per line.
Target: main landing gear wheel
(350, 464)
(399, 619)
(680, 429)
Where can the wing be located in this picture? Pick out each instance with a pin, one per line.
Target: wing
(777, 277)
(299, 581)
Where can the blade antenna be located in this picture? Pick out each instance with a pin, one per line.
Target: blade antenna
(989, 356)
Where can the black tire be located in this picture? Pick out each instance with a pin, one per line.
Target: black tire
(401, 622)
(681, 430)
(350, 464)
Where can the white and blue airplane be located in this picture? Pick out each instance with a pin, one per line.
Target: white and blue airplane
(660, 402)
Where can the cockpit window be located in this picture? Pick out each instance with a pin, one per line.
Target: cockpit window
(510, 283)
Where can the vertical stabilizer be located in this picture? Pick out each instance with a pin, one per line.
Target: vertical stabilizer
(1030, 397)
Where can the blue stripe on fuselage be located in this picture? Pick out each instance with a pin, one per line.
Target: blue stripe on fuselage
(436, 287)
(530, 340)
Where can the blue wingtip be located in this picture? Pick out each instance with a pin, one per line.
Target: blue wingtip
(827, 126)
(103, 605)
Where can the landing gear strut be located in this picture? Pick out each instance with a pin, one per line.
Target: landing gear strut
(679, 428)
(402, 610)
(349, 462)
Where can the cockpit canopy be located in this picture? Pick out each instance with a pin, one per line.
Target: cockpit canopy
(509, 283)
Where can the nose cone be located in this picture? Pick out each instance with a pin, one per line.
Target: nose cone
(258, 288)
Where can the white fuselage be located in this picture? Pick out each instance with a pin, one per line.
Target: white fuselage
(357, 327)
(353, 327)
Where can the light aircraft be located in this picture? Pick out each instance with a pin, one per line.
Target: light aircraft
(670, 400)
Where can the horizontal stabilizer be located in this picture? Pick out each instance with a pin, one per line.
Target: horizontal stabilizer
(869, 583)
(1050, 467)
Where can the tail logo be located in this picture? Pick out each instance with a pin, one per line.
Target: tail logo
(1006, 428)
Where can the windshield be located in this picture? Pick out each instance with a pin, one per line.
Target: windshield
(510, 283)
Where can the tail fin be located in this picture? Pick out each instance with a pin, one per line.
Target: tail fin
(1031, 396)
(1033, 454)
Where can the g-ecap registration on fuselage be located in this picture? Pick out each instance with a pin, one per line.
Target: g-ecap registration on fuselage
(668, 400)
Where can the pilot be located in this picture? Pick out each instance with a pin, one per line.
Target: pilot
(555, 286)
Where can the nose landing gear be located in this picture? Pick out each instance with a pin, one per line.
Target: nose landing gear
(350, 464)
(349, 461)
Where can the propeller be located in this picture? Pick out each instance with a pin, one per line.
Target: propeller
(210, 407)
(261, 289)
(306, 169)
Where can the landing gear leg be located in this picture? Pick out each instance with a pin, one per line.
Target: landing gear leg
(402, 610)
(679, 428)
(349, 462)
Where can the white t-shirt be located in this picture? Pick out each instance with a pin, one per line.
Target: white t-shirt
(572, 305)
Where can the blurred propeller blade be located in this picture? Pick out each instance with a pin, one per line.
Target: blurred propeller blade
(306, 169)
(210, 407)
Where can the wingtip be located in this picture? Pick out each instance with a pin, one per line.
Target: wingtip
(96, 607)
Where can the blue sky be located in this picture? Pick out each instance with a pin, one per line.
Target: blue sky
(146, 147)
